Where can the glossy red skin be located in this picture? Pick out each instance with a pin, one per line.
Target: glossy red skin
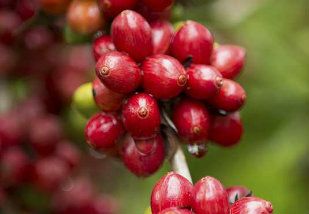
(251, 205)
(14, 166)
(9, 23)
(131, 33)
(176, 211)
(191, 119)
(84, 17)
(122, 74)
(102, 45)
(162, 35)
(203, 81)
(172, 190)
(54, 6)
(158, 5)
(44, 134)
(229, 60)
(231, 96)
(106, 99)
(198, 150)
(69, 153)
(164, 77)
(237, 192)
(210, 197)
(103, 131)
(139, 125)
(112, 8)
(195, 40)
(226, 130)
(50, 173)
(141, 164)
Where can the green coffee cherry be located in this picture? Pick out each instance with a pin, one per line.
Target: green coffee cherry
(83, 100)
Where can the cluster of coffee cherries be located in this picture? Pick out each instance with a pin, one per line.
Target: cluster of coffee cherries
(149, 75)
(174, 194)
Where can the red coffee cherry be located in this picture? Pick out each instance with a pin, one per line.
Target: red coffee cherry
(252, 205)
(50, 173)
(226, 130)
(38, 38)
(26, 9)
(9, 23)
(102, 45)
(106, 99)
(164, 77)
(15, 167)
(11, 132)
(141, 116)
(210, 197)
(172, 190)
(229, 60)
(158, 5)
(191, 119)
(54, 7)
(112, 8)
(84, 17)
(231, 97)
(131, 33)
(118, 72)
(192, 40)
(138, 162)
(103, 131)
(151, 15)
(69, 153)
(162, 35)
(176, 211)
(237, 192)
(45, 133)
(203, 81)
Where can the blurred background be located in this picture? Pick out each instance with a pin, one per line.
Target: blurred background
(273, 156)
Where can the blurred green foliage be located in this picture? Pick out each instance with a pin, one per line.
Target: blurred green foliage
(270, 158)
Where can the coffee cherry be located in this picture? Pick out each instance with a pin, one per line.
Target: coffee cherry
(252, 205)
(176, 211)
(231, 97)
(54, 7)
(103, 131)
(191, 119)
(192, 40)
(118, 72)
(237, 192)
(138, 162)
(203, 81)
(84, 16)
(164, 77)
(9, 23)
(10, 131)
(158, 5)
(38, 38)
(102, 45)
(229, 60)
(14, 167)
(69, 153)
(131, 33)
(106, 99)
(141, 116)
(83, 100)
(50, 172)
(27, 9)
(198, 150)
(226, 130)
(45, 133)
(210, 197)
(172, 190)
(112, 8)
(151, 15)
(162, 35)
